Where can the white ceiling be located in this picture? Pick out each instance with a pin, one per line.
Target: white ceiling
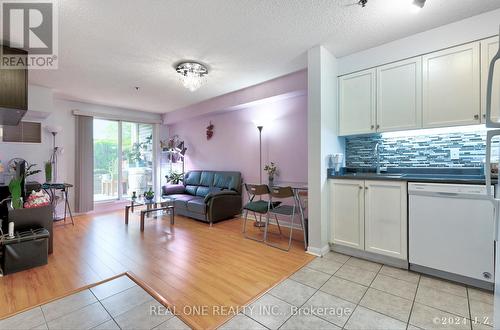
(106, 47)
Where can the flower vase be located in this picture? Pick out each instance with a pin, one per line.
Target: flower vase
(271, 181)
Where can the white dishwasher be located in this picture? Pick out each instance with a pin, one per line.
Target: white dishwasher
(451, 232)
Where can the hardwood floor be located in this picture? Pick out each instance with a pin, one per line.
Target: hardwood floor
(195, 266)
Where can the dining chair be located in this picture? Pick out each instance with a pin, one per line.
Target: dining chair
(281, 193)
(257, 206)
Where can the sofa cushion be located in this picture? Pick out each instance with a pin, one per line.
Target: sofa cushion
(203, 191)
(197, 205)
(228, 180)
(191, 190)
(207, 179)
(181, 200)
(192, 178)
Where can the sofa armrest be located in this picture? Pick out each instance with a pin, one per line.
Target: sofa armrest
(224, 206)
(211, 195)
(172, 189)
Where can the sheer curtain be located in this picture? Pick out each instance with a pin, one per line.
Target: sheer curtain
(84, 164)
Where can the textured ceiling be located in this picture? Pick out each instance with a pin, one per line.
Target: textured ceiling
(106, 47)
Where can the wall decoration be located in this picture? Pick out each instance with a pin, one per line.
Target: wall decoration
(210, 131)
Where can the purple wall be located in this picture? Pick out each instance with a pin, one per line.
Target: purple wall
(235, 144)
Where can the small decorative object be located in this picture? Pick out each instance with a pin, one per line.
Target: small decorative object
(37, 199)
(175, 178)
(149, 195)
(15, 192)
(271, 170)
(134, 195)
(210, 131)
(48, 172)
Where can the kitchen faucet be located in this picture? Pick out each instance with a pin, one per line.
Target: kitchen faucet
(377, 154)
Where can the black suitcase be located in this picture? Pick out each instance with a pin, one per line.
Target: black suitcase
(26, 250)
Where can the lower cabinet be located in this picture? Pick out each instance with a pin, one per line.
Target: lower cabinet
(370, 216)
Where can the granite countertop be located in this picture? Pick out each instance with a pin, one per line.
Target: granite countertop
(437, 175)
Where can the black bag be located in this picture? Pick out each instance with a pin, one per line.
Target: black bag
(26, 250)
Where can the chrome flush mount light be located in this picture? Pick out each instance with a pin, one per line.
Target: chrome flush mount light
(192, 74)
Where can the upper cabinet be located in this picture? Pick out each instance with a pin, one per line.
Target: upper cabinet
(399, 95)
(440, 89)
(489, 48)
(357, 103)
(451, 86)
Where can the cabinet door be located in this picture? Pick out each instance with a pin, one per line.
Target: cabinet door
(385, 218)
(489, 48)
(451, 86)
(347, 213)
(357, 103)
(14, 84)
(399, 95)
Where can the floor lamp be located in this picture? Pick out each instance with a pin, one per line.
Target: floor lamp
(55, 150)
(260, 223)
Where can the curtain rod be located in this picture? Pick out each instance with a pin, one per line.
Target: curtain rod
(117, 117)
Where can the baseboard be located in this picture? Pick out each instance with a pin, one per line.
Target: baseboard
(318, 252)
(386, 260)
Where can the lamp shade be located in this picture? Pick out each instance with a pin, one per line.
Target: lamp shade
(53, 129)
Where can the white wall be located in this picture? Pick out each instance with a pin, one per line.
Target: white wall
(41, 102)
(464, 31)
(322, 141)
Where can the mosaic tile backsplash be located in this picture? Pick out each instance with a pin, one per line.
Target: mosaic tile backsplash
(431, 150)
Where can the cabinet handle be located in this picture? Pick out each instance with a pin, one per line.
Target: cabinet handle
(484, 115)
(366, 188)
(360, 187)
(378, 126)
(372, 127)
(476, 117)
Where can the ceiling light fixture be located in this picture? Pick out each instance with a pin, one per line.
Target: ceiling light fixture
(192, 74)
(418, 5)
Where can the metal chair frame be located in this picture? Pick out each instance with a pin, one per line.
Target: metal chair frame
(281, 193)
(252, 192)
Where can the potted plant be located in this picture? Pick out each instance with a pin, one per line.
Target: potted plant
(48, 172)
(271, 171)
(174, 178)
(149, 195)
(15, 192)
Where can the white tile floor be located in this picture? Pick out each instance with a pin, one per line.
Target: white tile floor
(117, 304)
(339, 291)
(332, 292)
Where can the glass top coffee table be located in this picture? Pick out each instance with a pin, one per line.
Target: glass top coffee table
(157, 204)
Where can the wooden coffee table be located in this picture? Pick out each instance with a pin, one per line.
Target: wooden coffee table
(165, 204)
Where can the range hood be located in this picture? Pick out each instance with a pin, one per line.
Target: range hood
(13, 90)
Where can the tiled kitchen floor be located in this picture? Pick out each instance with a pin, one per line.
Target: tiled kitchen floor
(116, 304)
(339, 291)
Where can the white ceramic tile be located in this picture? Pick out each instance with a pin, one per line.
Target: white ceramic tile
(269, 311)
(394, 286)
(338, 257)
(442, 285)
(143, 317)
(112, 287)
(356, 274)
(25, 320)
(86, 318)
(108, 325)
(330, 308)
(302, 320)
(481, 313)
(388, 304)
(364, 264)
(325, 265)
(401, 274)
(125, 300)
(68, 304)
(444, 301)
(174, 323)
(293, 292)
(426, 317)
(310, 277)
(344, 289)
(242, 322)
(363, 318)
(481, 295)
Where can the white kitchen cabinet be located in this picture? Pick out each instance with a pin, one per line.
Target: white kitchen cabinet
(357, 106)
(489, 48)
(399, 95)
(347, 212)
(451, 86)
(385, 218)
(370, 215)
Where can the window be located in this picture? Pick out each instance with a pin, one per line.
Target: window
(26, 132)
(123, 159)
